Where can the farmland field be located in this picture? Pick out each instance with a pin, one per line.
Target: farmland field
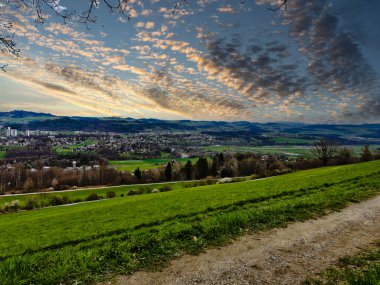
(289, 150)
(146, 164)
(71, 148)
(86, 242)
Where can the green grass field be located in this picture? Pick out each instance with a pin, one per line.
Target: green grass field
(146, 164)
(82, 243)
(362, 269)
(2, 154)
(71, 148)
(82, 194)
(288, 150)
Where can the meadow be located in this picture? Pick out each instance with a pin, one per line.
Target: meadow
(87, 242)
(74, 147)
(146, 164)
(80, 195)
(288, 150)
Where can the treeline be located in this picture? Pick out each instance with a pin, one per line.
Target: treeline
(21, 178)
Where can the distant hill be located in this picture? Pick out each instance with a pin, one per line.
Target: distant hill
(23, 114)
(270, 133)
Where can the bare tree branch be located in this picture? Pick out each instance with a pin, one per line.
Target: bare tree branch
(283, 4)
(325, 150)
(3, 67)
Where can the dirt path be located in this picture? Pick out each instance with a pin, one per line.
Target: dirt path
(280, 256)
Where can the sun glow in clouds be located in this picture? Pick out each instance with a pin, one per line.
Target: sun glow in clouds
(210, 60)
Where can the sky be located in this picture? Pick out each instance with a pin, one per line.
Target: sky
(314, 61)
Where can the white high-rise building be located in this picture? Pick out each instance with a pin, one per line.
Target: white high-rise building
(11, 132)
(14, 133)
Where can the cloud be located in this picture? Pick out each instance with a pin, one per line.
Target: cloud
(336, 61)
(226, 9)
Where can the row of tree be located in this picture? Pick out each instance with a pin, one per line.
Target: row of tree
(21, 178)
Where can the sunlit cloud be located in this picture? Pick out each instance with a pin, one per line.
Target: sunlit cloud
(205, 60)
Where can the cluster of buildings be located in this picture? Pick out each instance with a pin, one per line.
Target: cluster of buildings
(9, 132)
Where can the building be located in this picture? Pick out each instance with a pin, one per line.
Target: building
(11, 132)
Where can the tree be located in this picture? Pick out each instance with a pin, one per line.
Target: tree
(345, 155)
(202, 167)
(366, 154)
(168, 171)
(215, 166)
(325, 150)
(189, 170)
(138, 173)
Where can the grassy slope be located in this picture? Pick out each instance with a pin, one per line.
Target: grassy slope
(87, 241)
(83, 194)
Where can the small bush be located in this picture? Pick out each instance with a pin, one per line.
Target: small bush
(31, 203)
(122, 195)
(111, 194)
(93, 197)
(5, 207)
(135, 192)
(143, 190)
(66, 200)
(56, 200)
(13, 206)
(77, 200)
(210, 180)
(164, 188)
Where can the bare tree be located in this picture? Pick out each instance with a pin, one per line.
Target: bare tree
(325, 150)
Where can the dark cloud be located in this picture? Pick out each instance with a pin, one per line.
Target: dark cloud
(83, 78)
(258, 68)
(54, 87)
(336, 61)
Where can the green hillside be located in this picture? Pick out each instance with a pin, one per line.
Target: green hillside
(85, 242)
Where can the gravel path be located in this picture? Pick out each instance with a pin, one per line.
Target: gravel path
(279, 256)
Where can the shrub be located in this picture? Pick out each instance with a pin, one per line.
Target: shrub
(93, 197)
(111, 194)
(143, 190)
(5, 207)
(122, 195)
(31, 203)
(56, 200)
(66, 200)
(135, 192)
(210, 180)
(77, 200)
(155, 191)
(164, 188)
(13, 206)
